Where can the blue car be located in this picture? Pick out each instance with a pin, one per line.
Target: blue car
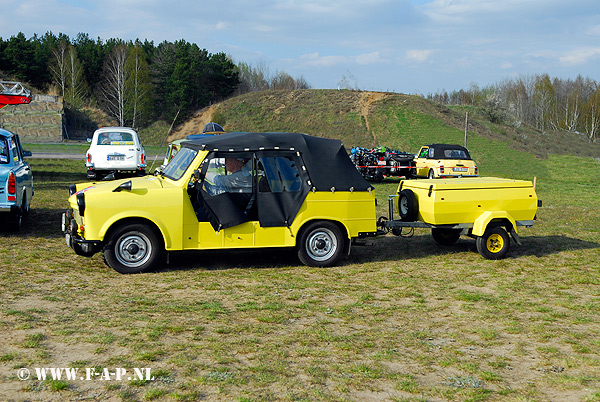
(16, 181)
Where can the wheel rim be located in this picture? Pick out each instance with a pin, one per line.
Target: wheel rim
(404, 205)
(495, 243)
(133, 250)
(321, 244)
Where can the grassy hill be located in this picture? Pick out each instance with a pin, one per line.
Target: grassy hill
(403, 122)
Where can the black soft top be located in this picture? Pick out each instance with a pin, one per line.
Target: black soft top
(326, 160)
(439, 151)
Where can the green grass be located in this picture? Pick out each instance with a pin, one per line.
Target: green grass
(403, 318)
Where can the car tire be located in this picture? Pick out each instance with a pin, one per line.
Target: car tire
(15, 222)
(321, 244)
(408, 207)
(445, 237)
(431, 174)
(133, 248)
(494, 243)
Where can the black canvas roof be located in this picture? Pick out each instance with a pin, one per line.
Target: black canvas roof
(326, 160)
(439, 149)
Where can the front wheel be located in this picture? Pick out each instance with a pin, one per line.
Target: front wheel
(133, 248)
(321, 244)
(494, 243)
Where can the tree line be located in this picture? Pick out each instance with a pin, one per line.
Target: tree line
(538, 100)
(135, 82)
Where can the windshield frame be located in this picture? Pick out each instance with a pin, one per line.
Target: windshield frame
(180, 164)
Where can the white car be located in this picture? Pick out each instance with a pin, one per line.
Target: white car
(115, 150)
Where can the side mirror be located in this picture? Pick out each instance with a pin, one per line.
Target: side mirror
(123, 186)
(89, 140)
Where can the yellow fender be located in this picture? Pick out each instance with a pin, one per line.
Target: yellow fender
(143, 215)
(482, 222)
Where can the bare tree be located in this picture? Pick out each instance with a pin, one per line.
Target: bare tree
(591, 119)
(137, 85)
(67, 73)
(113, 88)
(58, 66)
(76, 88)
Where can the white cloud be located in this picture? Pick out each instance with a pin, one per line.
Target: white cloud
(370, 58)
(315, 59)
(580, 56)
(506, 65)
(419, 55)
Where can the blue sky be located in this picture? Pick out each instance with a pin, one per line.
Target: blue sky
(408, 46)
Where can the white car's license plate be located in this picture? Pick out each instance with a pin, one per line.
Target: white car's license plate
(460, 169)
(116, 157)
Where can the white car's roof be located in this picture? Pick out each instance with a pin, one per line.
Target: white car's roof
(113, 129)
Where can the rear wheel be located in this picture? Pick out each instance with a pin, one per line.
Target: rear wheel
(445, 237)
(15, 221)
(494, 243)
(431, 174)
(321, 244)
(133, 248)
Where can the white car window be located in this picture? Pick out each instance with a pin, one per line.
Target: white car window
(115, 138)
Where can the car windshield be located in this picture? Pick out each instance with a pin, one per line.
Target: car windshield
(179, 164)
(115, 138)
(3, 151)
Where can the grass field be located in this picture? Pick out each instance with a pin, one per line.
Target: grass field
(400, 320)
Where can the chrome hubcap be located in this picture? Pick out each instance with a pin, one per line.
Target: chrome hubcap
(321, 244)
(133, 250)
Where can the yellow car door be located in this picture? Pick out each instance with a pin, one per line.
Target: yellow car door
(421, 162)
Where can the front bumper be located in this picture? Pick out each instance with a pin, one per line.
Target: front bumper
(70, 229)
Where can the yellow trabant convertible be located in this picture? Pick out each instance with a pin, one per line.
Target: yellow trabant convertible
(486, 208)
(236, 190)
(443, 161)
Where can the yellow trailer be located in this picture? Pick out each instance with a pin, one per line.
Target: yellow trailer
(485, 208)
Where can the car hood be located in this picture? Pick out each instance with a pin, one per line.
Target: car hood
(133, 184)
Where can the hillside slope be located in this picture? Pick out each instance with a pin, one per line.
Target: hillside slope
(403, 122)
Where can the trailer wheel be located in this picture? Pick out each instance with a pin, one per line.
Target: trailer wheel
(445, 237)
(494, 243)
(407, 206)
(321, 244)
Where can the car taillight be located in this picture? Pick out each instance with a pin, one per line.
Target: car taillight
(476, 170)
(12, 184)
(142, 158)
(89, 158)
(442, 169)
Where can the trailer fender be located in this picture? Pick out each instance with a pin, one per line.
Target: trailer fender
(482, 222)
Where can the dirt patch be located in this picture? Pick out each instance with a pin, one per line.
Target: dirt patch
(194, 125)
(366, 100)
